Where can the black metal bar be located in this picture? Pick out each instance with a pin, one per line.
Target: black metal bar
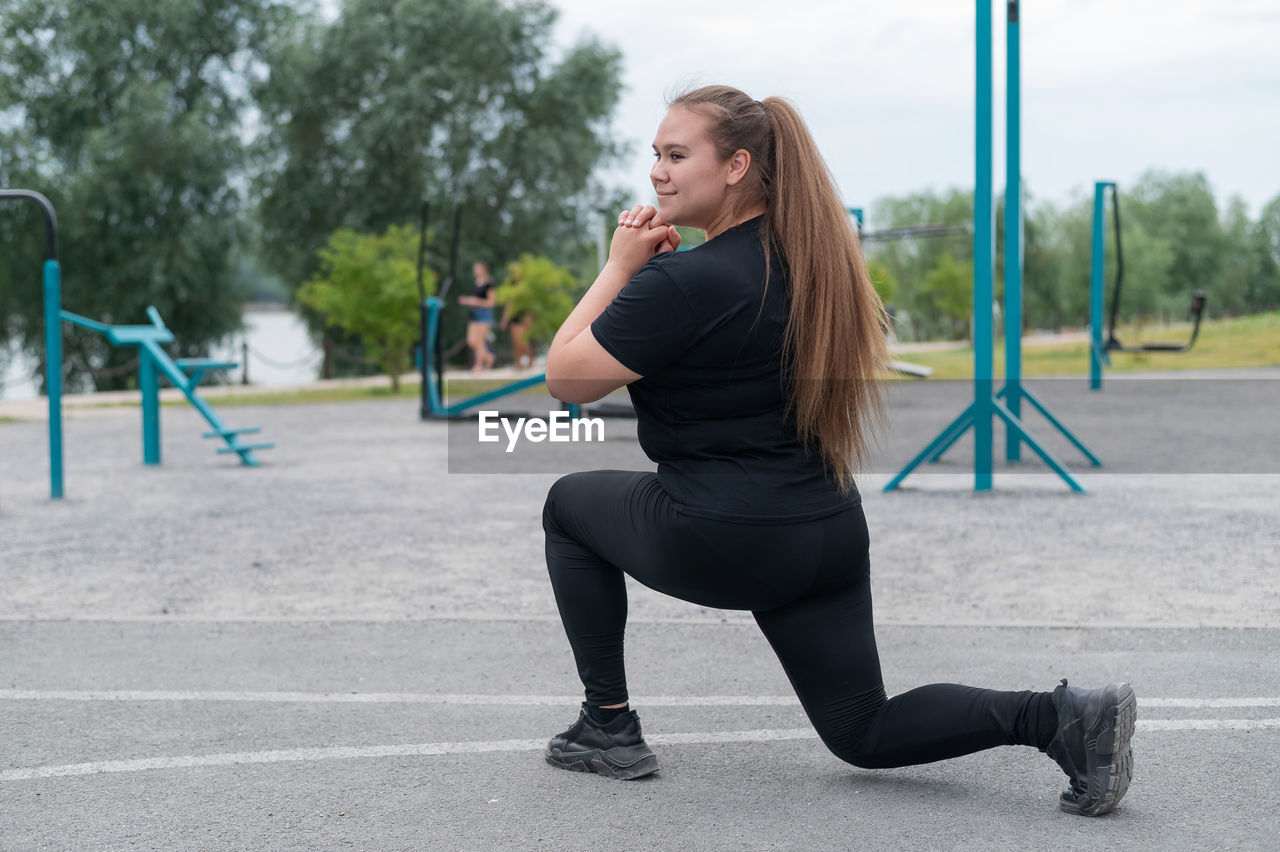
(422, 248)
(1115, 293)
(444, 292)
(913, 231)
(50, 218)
(1113, 343)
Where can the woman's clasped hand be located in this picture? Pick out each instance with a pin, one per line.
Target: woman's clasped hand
(640, 235)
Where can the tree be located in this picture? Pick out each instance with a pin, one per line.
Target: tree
(453, 101)
(368, 286)
(948, 290)
(1180, 210)
(541, 289)
(908, 261)
(126, 113)
(1263, 292)
(882, 279)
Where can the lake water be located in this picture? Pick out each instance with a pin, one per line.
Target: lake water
(281, 353)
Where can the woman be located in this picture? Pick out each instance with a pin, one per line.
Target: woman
(480, 317)
(519, 323)
(751, 362)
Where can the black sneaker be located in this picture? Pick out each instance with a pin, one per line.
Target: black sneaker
(1092, 745)
(616, 749)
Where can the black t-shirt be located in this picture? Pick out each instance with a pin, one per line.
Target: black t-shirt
(706, 334)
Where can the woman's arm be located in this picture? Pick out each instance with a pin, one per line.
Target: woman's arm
(578, 367)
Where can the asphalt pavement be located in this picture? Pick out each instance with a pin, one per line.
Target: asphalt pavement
(354, 645)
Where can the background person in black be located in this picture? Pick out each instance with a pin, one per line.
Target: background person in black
(752, 363)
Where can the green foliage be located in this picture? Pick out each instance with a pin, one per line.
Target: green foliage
(454, 101)
(882, 279)
(367, 285)
(1263, 289)
(1175, 242)
(908, 262)
(126, 113)
(537, 287)
(948, 290)
(690, 237)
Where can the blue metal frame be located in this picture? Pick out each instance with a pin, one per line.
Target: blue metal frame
(1007, 404)
(1013, 235)
(437, 408)
(184, 373)
(53, 371)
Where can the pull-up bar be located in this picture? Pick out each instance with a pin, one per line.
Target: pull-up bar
(987, 404)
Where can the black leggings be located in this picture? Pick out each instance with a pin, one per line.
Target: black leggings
(808, 586)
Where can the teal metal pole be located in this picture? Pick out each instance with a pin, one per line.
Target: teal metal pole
(1097, 269)
(1013, 234)
(53, 371)
(434, 306)
(150, 386)
(983, 257)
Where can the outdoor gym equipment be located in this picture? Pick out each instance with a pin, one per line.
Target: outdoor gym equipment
(1007, 404)
(432, 348)
(1099, 350)
(184, 373)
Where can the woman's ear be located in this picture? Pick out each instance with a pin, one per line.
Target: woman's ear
(739, 164)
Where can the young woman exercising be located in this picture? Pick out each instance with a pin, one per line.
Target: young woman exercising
(752, 363)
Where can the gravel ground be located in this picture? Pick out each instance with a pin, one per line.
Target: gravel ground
(200, 609)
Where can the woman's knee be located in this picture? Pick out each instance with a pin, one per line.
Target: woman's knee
(560, 497)
(847, 727)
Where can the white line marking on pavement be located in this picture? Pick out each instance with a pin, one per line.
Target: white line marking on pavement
(102, 767)
(1206, 724)
(347, 753)
(1208, 702)
(730, 618)
(503, 700)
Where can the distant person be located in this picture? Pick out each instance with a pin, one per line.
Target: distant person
(753, 362)
(480, 318)
(519, 324)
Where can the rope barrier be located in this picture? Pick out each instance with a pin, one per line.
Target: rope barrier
(79, 364)
(309, 359)
(344, 355)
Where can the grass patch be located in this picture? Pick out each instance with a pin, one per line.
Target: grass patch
(457, 390)
(1252, 341)
(306, 396)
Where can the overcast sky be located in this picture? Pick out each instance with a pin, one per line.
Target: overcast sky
(1110, 87)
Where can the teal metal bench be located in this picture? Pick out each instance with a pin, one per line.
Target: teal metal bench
(184, 373)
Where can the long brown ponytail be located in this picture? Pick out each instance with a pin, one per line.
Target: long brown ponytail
(835, 339)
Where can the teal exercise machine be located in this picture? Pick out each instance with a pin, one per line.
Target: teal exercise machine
(153, 361)
(184, 373)
(988, 404)
(431, 363)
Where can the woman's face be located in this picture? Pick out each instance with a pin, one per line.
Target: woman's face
(691, 180)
